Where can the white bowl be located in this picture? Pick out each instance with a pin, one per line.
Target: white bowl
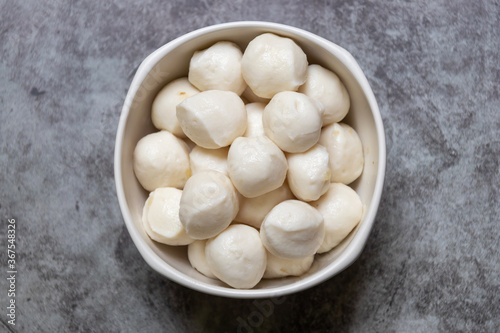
(171, 61)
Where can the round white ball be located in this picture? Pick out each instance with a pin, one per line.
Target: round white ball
(203, 159)
(163, 110)
(161, 160)
(309, 173)
(217, 68)
(272, 64)
(236, 256)
(254, 119)
(342, 210)
(160, 217)
(208, 204)
(254, 210)
(326, 87)
(292, 229)
(197, 259)
(346, 152)
(278, 267)
(293, 121)
(256, 165)
(213, 119)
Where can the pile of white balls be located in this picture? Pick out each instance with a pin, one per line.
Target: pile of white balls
(251, 164)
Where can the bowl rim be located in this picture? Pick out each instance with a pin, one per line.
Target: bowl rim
(352, 251)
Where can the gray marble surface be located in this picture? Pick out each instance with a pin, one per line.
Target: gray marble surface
(432, 261)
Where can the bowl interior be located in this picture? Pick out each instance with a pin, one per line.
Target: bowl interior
(171, 62)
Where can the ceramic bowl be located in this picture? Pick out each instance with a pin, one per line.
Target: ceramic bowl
(171, 61)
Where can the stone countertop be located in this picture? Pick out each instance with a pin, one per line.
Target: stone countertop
(432, 262)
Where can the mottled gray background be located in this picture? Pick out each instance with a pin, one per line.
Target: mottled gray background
(432, 262)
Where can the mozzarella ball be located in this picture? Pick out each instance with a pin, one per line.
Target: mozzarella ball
(197, 259)
(160, 217)
(203, 159)
(278, 267)
(254, 210)
(212, 119)
(250, 96)
(256, 166)
(292, 229)
(161, 160)
(217, 68)
(326, 87)
(272, 64)
(309, 173)
(236, 256)
(164, 104)
(342, 210)
(208, 204)
(293, 121)
(254, 119)
(346, 152)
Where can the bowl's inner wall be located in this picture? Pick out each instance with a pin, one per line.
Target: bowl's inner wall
(174, 64)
